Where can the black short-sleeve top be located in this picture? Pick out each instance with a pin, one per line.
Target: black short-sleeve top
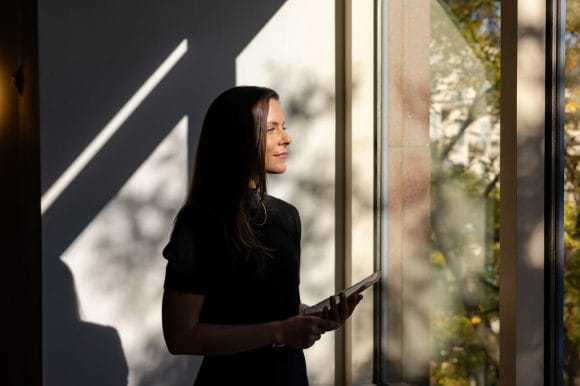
(236, 292)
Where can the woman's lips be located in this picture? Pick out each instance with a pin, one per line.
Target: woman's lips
(281, 155)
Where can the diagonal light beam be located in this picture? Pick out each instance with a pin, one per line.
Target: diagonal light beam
(111, 128)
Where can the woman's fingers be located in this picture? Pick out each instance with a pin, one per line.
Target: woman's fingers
(319, 326)
(304, 331)
(325, 313)
(343, 307)
(353, 301)
(342, 310)
(333, 312)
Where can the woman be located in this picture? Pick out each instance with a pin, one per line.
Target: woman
(231, 286)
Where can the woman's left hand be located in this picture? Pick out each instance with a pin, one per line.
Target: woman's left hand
(343, 310)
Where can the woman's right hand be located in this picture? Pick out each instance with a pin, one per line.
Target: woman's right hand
(302, 331)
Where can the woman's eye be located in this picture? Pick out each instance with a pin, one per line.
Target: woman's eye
(270, 129)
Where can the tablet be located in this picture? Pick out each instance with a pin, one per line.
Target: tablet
(359, 287)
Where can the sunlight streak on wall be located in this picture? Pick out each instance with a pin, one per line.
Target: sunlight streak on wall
(111, 128)
(117, 262)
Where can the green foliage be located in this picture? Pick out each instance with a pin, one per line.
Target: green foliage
(571, 299)
(465, 79)
(467, 298)
(465, 193)
(457, 353)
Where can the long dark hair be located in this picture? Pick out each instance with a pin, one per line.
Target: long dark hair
(230, 154)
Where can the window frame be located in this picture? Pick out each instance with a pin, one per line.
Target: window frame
(521, 319)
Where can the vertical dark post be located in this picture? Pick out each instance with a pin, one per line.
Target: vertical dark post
(20, 192)
(508, 202)
(379, 330)
(341, 185)
(523, 181)
(554, 204)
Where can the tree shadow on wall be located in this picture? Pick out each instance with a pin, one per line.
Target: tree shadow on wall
(95, 56)
(77, 352)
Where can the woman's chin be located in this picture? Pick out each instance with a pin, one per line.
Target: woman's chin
(276, 170)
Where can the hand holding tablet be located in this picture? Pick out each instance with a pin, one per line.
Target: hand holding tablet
(352, 290)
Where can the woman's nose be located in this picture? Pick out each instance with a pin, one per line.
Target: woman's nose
(286, 138)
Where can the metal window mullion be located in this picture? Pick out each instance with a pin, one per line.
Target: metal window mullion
(343, 184)
(379, 321)
(522, 204)
(554, 334)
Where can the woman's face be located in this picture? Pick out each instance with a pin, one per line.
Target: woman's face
(277, 139)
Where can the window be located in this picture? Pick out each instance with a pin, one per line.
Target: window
(440, 192)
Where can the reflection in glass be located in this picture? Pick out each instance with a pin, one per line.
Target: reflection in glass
(464, 131)
(572, 196)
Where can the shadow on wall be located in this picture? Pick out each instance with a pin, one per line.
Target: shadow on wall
(93, 58)
(90, 354)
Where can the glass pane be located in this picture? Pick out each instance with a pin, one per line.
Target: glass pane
(464, 130)
(440, 223)
(572, 196)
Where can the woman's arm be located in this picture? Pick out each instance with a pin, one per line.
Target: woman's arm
(185, 335)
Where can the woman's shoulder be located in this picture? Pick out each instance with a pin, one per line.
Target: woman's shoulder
(194, 225)
(278, 204)
(283, 212)
(192, 229)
